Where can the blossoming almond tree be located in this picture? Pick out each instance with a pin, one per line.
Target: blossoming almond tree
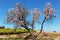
(48, 14)
(17, 15)
(35, 18)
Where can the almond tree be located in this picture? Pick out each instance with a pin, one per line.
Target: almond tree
(48, 14)
(17, 15)
(35, 18)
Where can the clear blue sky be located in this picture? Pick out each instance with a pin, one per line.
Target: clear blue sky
(31, 4)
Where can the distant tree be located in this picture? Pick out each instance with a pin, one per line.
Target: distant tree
(54, 31)
(2, 27)
(17, 16)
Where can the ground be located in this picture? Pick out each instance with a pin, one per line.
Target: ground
(42, 36)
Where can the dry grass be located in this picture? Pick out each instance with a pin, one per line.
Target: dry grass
(42, 36)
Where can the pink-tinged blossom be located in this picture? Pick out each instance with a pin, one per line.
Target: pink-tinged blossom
(36, 14)
(15, 14)
(49, 11)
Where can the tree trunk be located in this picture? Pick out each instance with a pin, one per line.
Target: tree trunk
(32, 29)
(25, 24)
(42, 25)
(25, 27)
(31, 36)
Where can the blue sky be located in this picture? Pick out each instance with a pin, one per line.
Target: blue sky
(31, 4)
